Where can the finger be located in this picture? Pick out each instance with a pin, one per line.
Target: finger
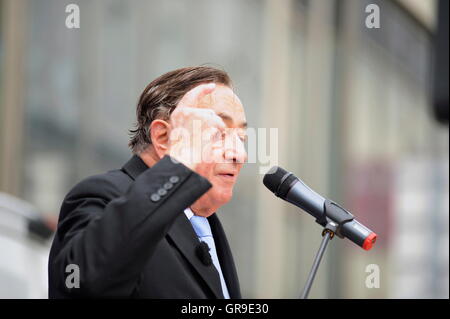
(209, 117)
(186, 117)
(218, 122)
(191, 98)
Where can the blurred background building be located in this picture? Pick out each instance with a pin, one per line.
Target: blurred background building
(352, 106)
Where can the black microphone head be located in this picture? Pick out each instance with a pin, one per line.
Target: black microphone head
(273, 178)
(278, 181)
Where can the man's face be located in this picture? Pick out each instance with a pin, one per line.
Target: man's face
(228, 151)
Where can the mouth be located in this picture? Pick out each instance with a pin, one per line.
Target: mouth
(227, 176)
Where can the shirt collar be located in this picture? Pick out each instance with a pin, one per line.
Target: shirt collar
(188, 212)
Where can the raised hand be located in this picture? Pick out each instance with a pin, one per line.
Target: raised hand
(194, 127)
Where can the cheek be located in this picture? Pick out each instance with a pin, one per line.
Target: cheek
(213, 153)
(206, 170)
(221, 188)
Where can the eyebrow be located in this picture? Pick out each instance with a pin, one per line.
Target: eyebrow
(226, 118)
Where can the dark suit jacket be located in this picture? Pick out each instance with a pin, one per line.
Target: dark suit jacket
(129, 240)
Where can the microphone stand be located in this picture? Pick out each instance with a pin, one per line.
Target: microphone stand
(327, 234)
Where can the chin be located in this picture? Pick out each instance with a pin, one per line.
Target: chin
(223, 196)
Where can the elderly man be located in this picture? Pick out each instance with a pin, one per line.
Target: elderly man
(149, 229)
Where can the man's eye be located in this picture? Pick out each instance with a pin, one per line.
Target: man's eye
(219, 135)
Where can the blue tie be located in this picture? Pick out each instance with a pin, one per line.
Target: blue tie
(203, 231)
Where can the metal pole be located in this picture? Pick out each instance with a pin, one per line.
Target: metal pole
(326, 238)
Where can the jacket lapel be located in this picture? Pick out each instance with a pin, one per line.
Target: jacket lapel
(225, 257)
(184, 237)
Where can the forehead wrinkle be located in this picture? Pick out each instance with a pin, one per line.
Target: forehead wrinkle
(224, 98)
(222, 88)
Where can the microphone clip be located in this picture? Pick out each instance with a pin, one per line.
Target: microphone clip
(202, 252)
(333, 218)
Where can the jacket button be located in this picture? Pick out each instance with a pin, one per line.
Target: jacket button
(162, 192)
(174, 179)
(155, 197)
(168, 185)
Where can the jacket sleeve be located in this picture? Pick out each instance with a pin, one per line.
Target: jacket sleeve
(111, 241)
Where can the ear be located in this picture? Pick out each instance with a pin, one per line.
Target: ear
(159, 134)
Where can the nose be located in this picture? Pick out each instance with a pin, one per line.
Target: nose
(235, 149)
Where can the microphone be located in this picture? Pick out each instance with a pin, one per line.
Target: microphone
(290, 188)
(203, 254)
